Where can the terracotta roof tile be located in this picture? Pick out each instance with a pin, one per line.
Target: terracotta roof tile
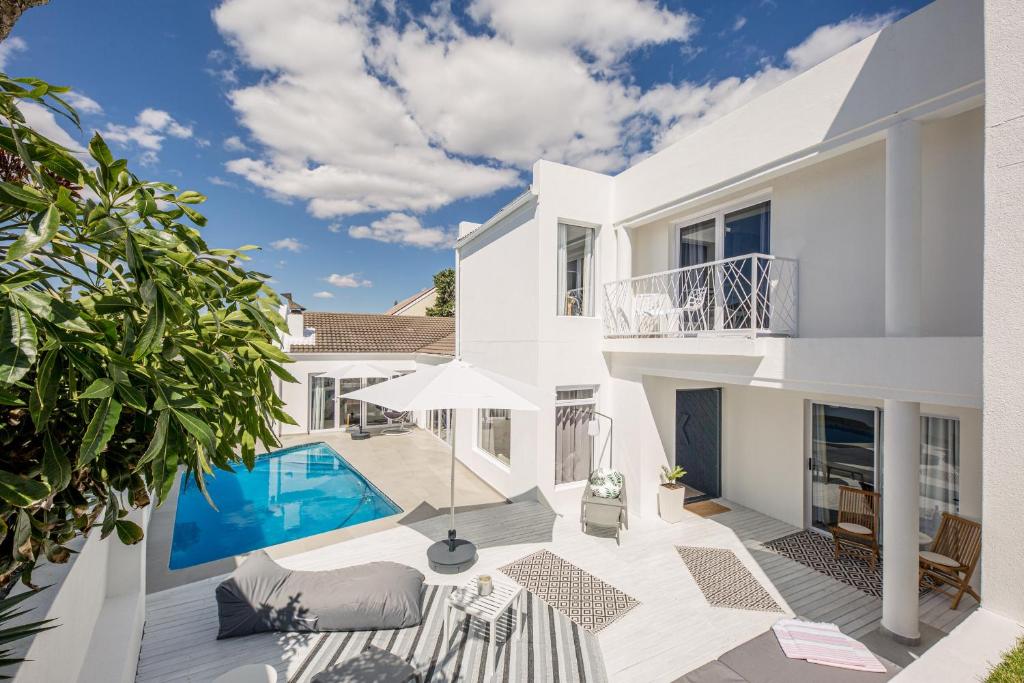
(369, 333)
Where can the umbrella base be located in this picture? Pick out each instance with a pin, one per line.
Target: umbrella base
(451, 559)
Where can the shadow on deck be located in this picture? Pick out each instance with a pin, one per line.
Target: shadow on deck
(528, 519)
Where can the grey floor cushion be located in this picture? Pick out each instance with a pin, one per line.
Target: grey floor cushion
(261, 595)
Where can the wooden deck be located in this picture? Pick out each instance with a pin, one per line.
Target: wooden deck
(671, 632)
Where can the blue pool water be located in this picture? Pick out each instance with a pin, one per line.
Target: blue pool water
(289, 494)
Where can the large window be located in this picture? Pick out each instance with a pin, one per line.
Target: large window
(494, 433)
(574, 447)
(940, 470)
(575, 270)
(437, 424)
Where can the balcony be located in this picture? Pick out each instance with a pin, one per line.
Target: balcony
(753, 295)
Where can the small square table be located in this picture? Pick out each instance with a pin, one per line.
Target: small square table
(489, 608)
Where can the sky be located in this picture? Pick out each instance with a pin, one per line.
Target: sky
(348, 138)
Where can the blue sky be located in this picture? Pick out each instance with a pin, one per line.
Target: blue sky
(348, 139)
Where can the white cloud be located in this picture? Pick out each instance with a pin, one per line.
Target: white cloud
(82, 103)
(740, 22)
(323, 295)
(335, 228)
(9, 48)
(347, 281)
(400, 228)
(830, 39)
(352, 115)
(235, 144)
(152, 126)
(288, 244)
(43, 121)
(221, 182)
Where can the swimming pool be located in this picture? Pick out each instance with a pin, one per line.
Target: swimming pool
(289, 494)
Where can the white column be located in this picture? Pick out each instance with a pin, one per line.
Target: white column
(901, 477)
(623, 253)
(903, 230)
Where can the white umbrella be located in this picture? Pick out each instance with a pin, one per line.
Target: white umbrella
(454, 385)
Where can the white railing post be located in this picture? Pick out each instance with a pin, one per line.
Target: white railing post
(753, 295)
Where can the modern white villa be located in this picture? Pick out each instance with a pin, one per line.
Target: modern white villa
(814, 305)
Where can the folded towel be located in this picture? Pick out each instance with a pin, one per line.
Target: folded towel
(824, 644)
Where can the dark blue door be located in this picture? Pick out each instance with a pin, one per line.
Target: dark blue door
(699, 441)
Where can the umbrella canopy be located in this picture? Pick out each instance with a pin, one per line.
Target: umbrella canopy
(357, 371)
(456, 384)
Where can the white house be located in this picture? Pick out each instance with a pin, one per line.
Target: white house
(786, 300)
(323, 343)
(417, 304)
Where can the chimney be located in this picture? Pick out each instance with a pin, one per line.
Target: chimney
(293, 316)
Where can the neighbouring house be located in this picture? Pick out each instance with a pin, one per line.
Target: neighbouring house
(321, 343)
(417, 304)
(786, 300)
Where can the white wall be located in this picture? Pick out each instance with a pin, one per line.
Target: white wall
(1003, 537)
(98, 600)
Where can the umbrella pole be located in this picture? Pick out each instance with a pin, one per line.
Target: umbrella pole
(451, 511)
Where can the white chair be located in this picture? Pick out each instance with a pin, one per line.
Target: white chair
(693, 312)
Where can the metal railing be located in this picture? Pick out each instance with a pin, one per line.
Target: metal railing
(752, 295)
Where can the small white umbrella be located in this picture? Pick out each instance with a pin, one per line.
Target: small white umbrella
(454, 385)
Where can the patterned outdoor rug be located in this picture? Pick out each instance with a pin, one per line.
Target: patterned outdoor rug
(817, 551)
(724, 581)
(549, 648)
(584, 598)
(706, 508)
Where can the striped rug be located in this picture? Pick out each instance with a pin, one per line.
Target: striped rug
(551, 648)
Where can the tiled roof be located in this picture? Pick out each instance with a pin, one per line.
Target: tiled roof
(405, 302)
(371, 333)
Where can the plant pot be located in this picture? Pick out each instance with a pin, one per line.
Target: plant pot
(670, 502)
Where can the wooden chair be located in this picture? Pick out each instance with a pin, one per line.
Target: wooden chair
(857, 525)
(953, 556)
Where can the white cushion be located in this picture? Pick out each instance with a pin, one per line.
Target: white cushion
(936, 558)
(854, 528)
(250, 673)
(606, 483)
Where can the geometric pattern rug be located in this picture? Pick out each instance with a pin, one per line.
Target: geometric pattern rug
(817, 551)
(724, 581)
(547, 647)
(582, 597)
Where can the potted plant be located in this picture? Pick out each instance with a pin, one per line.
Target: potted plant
(671, 494)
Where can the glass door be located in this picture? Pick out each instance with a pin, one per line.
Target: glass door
(321, 403)
(747, 231)
(844, 449)
(374, 414)
(349, 409)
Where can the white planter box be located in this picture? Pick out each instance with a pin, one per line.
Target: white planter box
(670, 503)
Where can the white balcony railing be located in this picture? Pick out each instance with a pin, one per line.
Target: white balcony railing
(751, 295)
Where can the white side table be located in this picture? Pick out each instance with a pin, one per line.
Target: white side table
(489, 608)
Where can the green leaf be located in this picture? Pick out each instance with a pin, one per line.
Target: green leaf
(152, 335)
(18, 197)
(130, 533)
(100, 429)
(44, 395)
(99, 151)
(38, 234)
(56, 466)
(51, 309)
(101, 388)
(158, 442)
(21, 491)
(191, 197)
(23, 537)
(17, 344)
(271, 351)
(244, 289)
(197, 428)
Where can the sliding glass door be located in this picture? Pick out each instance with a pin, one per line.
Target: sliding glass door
(321, 403)
(844, 446)
(940, 470)
(374, 414)
(350, 409)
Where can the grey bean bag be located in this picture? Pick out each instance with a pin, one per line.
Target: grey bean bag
(261, 595)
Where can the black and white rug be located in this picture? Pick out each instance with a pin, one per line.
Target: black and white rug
(585, 599)
(817, 551)
(549, 647)
(724, 581)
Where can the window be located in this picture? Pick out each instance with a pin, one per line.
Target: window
(574, 447)
(437, 424)
(940, 470)
(321, 403)
(494, 433)
(575, 270)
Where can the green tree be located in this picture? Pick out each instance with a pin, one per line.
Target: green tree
(128, 347)
(444, 304)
